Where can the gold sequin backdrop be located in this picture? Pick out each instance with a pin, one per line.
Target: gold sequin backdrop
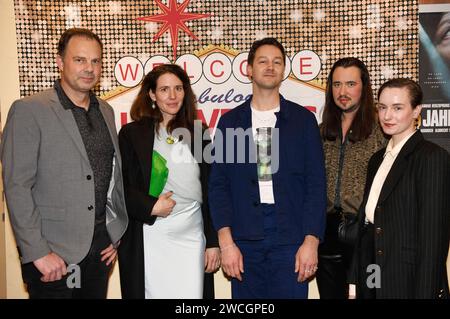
(381, 33)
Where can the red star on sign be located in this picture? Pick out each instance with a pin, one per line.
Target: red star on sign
(173, 18)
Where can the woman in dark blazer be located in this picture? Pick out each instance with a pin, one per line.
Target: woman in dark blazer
(404, 220)
(165, 101)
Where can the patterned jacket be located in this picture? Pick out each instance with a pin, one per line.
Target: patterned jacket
(354, 169)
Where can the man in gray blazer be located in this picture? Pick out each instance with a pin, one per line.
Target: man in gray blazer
(62, 178)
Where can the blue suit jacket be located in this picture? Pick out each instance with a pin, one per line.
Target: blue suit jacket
(299, 185)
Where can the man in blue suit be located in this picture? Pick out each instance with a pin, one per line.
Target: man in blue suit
(267, 187)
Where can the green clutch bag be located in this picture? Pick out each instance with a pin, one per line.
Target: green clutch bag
(159, 174)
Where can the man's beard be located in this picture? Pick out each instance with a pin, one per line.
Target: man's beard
(352, 108)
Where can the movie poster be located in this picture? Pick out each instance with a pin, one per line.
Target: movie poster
(434, 72)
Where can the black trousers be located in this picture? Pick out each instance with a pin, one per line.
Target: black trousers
(208, 286)
(94, 275)
(334, 262)
(366, 258)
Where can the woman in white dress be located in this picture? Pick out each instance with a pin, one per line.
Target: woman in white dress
(170, 242)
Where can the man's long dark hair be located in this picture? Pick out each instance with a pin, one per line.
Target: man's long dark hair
(365, 118)
(142, 105)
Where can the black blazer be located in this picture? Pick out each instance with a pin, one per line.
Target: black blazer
(136, 145)
(411, 222)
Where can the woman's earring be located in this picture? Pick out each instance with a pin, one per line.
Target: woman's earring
(153, 104)
(418, 121)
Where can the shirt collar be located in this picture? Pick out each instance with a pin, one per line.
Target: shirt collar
(66, 102)
(274, 110)
(394, 150)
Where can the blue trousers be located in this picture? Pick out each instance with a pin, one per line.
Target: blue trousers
(268, 266)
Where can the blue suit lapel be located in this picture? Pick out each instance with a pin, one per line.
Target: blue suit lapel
(245, 117)
(244, 121)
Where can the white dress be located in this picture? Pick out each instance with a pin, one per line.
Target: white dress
(174, 246)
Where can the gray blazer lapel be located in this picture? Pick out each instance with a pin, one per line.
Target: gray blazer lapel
(68, 121)
(110, 123)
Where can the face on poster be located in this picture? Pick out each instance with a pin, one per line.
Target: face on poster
(434, 72)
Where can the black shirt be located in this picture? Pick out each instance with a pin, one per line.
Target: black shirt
(97, 141)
